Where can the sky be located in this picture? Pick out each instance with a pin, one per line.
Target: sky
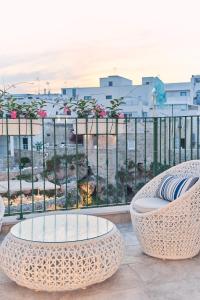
(71, 43)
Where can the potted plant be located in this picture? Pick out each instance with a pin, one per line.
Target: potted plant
(20, 119)
(96, 119)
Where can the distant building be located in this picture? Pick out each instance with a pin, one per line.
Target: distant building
(184, 92)
(151, 98)
(53, 101)
(136, 97)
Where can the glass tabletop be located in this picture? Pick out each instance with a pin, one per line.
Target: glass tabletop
(61, 228)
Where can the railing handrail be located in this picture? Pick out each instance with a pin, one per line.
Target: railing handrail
(95, 118)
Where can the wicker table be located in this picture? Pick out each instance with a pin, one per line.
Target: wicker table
(61, 252)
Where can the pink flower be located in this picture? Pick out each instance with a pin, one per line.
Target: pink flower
(42, 113)
(66, 110)
(102, 114)
(13, 114)
(99, 111)
(120, 115)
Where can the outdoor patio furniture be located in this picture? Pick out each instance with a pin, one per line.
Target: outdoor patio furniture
(61, 252)
(171, 231)
(2, 210)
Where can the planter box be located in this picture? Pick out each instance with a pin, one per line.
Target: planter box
(20, 127)
(99, 126)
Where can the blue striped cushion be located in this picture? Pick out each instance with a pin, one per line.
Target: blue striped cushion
(173, 187)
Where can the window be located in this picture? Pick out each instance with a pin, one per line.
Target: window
(74, 93)
(64, 91)
(25, 143)
(183, 144)
(147, 83)
(110, 83)
(87, 98)
(197, 98)
(108, 97)
(183, 93)
(79, 139)
(76, 138)
(198, 94)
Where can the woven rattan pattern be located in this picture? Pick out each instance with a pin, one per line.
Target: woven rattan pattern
(61, 266)
(171, 232)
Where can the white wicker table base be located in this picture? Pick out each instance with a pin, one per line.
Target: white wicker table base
(61, 266)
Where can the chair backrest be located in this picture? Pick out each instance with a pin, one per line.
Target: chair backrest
(185, 169)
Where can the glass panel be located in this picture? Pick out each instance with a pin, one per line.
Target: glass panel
(61, 228)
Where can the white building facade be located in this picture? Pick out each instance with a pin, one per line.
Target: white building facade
(151, 98)
(136, 97)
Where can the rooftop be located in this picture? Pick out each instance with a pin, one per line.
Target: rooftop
(178, 86)
(139, 277)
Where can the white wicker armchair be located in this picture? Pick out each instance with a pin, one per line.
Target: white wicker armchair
(173, 231)
(2, 210)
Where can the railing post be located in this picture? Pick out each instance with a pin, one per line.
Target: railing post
(155, 146)
(21, 215)
(8, 162)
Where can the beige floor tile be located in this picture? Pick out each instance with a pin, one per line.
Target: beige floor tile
(130, 294)
(152, 270)
(125, 278)
(177, 290)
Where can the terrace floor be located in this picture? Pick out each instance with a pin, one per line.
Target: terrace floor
(139, 278)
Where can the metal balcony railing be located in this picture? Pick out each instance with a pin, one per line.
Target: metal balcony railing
(76, 163)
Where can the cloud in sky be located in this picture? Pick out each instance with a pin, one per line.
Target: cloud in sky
(73, 43)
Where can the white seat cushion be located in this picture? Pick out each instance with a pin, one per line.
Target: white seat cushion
(148, 204)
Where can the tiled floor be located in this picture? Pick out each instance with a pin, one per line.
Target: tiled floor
(139, 278)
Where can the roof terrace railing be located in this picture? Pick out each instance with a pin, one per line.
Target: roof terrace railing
(65, 163)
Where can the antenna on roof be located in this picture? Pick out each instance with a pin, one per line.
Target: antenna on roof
(48, 87)
(38, 81)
